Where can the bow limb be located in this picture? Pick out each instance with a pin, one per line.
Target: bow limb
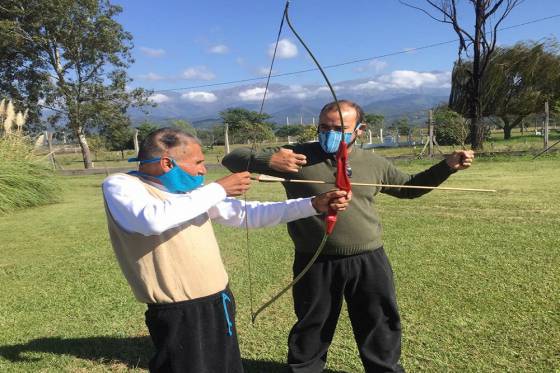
(342, 181)
(294, 281)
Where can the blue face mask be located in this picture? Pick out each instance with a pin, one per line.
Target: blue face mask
(175, 180)
(330, 140)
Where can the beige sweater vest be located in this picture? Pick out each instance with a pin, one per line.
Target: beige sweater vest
(180, 264)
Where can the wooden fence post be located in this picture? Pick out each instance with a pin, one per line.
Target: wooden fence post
(546, 122)
(226, 138)
(49, 137)
(431, 133)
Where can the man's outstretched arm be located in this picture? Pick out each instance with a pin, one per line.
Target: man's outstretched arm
(272, 161)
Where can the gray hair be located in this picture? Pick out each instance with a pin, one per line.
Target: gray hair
(163, 139)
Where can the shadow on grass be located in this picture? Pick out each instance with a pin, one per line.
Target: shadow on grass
(134, 352)
(131, 351)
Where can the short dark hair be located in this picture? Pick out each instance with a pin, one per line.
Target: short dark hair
(163, 139)
(332, 106)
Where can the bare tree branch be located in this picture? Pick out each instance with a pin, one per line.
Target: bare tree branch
(423, 11)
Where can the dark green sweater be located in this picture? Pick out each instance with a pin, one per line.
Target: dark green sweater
(358, 229)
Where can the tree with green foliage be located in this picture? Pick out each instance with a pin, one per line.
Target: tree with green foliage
(144, 129)
(309, 133)
(374, 121)
(556, 106)
(401, 126)
(119, 136)
(76, 54)
(293, 130)
(247, 125)
(519, 81)
(183, 125)
(450, 127)
(480, 43)
(96, 144)
(206, 136)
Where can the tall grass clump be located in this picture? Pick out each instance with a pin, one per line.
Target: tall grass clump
(25, 180)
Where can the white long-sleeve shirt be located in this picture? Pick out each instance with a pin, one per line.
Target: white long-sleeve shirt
(136, 210)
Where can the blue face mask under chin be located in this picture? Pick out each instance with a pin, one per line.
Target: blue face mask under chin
(330, 140)
(175, 180)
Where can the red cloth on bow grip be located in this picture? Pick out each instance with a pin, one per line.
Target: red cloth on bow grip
(342, 181)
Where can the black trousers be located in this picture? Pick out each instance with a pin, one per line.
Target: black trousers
(365, 281)
(197, 336)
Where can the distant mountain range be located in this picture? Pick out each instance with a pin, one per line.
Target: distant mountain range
(294, 104)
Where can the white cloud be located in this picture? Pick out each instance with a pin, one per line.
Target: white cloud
(152, 52)
(219, 49)
(407, 79)
(198, 73)
(286, 49)
(263, 71)
(294, 91)
(374, 65)
(199, 96)
(254, 94)
(297, 91)
(151, 76)
(302, 92)
(159, 98)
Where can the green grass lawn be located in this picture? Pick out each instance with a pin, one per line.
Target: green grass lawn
(477, 278)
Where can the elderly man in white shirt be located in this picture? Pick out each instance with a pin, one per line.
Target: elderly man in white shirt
(159, 221)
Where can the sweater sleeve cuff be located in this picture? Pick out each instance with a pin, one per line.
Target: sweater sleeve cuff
(262, 160)
(443, 169)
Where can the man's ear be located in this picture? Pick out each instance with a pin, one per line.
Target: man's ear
(362, 127)
(165, 163)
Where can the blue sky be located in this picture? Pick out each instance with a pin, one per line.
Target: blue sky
(191, 43)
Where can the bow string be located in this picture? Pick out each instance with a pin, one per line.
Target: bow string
(342, 180)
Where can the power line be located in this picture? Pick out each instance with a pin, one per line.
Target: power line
(351, 62)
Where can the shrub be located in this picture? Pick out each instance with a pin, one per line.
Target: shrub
(450, 127)
(25, 181)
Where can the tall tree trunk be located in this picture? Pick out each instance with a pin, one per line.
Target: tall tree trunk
(477, 129)
(507, 129)
(84, 146)
(509, 126)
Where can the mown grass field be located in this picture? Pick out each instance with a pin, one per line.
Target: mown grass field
(477, 275)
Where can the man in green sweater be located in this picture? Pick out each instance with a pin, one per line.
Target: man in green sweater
(353, 264)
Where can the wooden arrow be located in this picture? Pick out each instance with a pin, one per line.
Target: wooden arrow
(273, 179)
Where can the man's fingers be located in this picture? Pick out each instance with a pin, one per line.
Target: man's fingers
(338, 206)
(300, 159)
(336, 193)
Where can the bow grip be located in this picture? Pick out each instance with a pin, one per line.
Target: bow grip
(330, 220)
